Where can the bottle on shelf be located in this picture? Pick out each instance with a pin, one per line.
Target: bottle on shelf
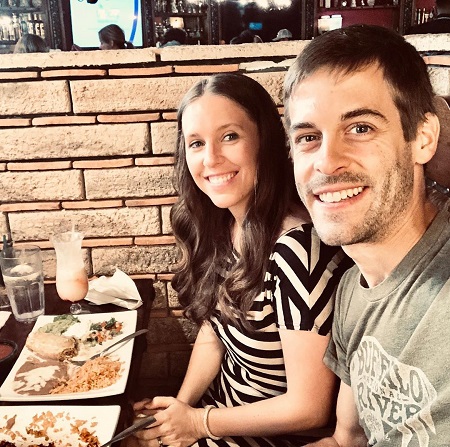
(23, 24)
(423, 15)
(30, 24)
(15, 28)
(41, 27)
(4, 27)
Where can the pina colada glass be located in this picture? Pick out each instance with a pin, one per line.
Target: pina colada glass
(71, 276)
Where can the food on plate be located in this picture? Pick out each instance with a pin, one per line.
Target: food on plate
(94, 374)
(102, 331)
(60, 324)
(48, 429)
(52, 346)
(38, 377)
(48, 366)
(43, 377)
(7, 349)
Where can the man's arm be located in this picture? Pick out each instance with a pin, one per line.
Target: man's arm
(348, 432)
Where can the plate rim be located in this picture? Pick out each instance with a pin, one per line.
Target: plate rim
(109, 425)
(8, 395)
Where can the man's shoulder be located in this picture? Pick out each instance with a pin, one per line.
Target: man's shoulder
(436, 26)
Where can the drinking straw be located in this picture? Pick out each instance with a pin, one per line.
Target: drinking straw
(7, 244)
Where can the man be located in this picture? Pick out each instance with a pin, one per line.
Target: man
(441, 24)
(283, 35)
(361, 121)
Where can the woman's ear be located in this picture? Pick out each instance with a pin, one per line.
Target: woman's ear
(427, 139)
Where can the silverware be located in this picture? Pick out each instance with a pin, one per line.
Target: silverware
(140, 424)
(108, 349)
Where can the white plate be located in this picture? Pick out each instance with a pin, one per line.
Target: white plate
(128, 318)
(101, 421)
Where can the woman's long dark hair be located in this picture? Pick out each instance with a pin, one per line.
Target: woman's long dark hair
(114, 33)
(203, 231)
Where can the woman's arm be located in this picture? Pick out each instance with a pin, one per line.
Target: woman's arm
(306, 404)
(204, 365)
(178, 417)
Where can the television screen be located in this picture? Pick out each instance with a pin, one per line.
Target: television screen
(88, 19)
(255, 26)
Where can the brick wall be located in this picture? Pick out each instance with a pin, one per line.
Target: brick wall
(89, 136)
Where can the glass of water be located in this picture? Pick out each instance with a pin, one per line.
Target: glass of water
(23, 276)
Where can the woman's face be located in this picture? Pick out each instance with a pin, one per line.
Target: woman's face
(222, 145)
(107, 45)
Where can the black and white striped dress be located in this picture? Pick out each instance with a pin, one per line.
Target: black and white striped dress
(298, 295)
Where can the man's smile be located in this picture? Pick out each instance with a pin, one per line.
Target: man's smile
(337, 196)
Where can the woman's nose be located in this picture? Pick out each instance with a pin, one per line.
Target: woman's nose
(331, 157)
(212, 154)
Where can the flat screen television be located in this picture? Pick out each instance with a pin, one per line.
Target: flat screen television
(89, 18)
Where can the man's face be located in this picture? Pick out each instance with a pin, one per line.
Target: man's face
(353, 168)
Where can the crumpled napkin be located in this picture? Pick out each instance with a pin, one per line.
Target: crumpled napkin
(4, 315)
(118, 289)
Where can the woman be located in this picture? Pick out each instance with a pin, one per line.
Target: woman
(253, 275)
(173, 37)
(112, 37)
(31, 43)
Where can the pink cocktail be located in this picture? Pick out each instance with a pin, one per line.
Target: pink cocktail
(71, 276)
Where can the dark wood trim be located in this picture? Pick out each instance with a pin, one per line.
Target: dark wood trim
(406, 16)
(308, 19)
(213, 22)
(148, 31)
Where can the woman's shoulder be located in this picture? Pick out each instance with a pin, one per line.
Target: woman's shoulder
(296, 218)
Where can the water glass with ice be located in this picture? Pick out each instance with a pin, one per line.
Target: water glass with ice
(23, 276)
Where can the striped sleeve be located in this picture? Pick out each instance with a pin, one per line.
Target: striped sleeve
(304, 274)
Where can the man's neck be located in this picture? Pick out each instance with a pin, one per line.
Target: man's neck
(377, 260)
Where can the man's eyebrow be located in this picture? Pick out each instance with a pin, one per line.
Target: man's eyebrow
(363, 112)
(301, 125)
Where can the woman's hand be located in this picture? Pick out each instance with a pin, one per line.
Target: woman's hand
(177, 424)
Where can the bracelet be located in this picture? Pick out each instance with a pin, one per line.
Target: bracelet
(208, 408)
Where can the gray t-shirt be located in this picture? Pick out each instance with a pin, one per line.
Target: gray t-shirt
(391, 344)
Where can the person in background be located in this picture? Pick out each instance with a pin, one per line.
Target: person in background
(360, 112)
(253, 275)
(173, 37)
(31, 43)
(112, 37)
(282, 35)
(440, 24)
(247, 36)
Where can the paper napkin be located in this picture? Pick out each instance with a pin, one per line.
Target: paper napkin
(4, 315)
(118, 289)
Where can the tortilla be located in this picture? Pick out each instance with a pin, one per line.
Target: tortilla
(52, 346)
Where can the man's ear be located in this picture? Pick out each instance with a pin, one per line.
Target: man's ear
(427, 139)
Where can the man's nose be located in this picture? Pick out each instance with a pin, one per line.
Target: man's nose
(332, 155)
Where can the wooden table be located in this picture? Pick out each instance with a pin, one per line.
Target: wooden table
(14, 330)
